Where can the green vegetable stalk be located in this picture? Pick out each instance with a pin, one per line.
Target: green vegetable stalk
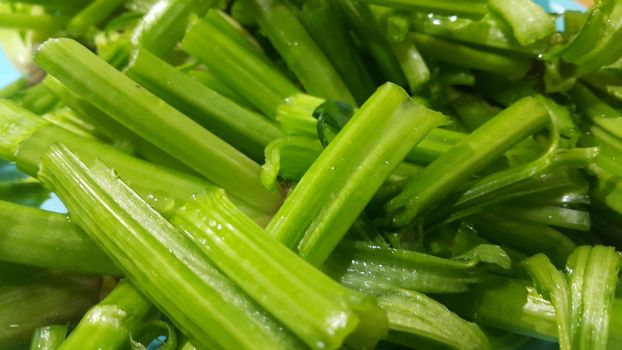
(596, 45)
(469, 155)
(302, 55)
(39, 238)
(592, 279)
(170, 270)
(255, 78)
(371, 269)
(314, 307)
(109, 323)
(474, 8)
(553, 286)
(325, 23)
(335, 190)
(109, 130)
(30, 300)
(506, 64)
(415, 318)
(92, 15)
(147, 115)
(165, 24)
(246, 130)
(27, 137)
(48, 337)
(528, 20)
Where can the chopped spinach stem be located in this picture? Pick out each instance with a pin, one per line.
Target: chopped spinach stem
(311, 174)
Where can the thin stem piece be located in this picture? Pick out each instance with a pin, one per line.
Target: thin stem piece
(108, 324)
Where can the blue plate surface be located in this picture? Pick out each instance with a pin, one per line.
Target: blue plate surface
(8, 73)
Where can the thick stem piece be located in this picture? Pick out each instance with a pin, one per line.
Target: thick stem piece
(370, 269)
(517, 307)
(552, 284)
(529, 21)
(320, 311)
(415, 318)
(171, 271)
(22, 21)
(343, 179)
(110, 130)
(592, 280)
(26, 138)
(154, 120)
(323, 20)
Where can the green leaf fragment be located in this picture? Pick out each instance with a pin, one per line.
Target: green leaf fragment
(288, 159)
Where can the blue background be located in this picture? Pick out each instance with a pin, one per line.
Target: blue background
(8, 73)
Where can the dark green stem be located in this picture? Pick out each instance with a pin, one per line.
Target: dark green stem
(324, 21)
(38, 238)
(39, 299)
(92, 15)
